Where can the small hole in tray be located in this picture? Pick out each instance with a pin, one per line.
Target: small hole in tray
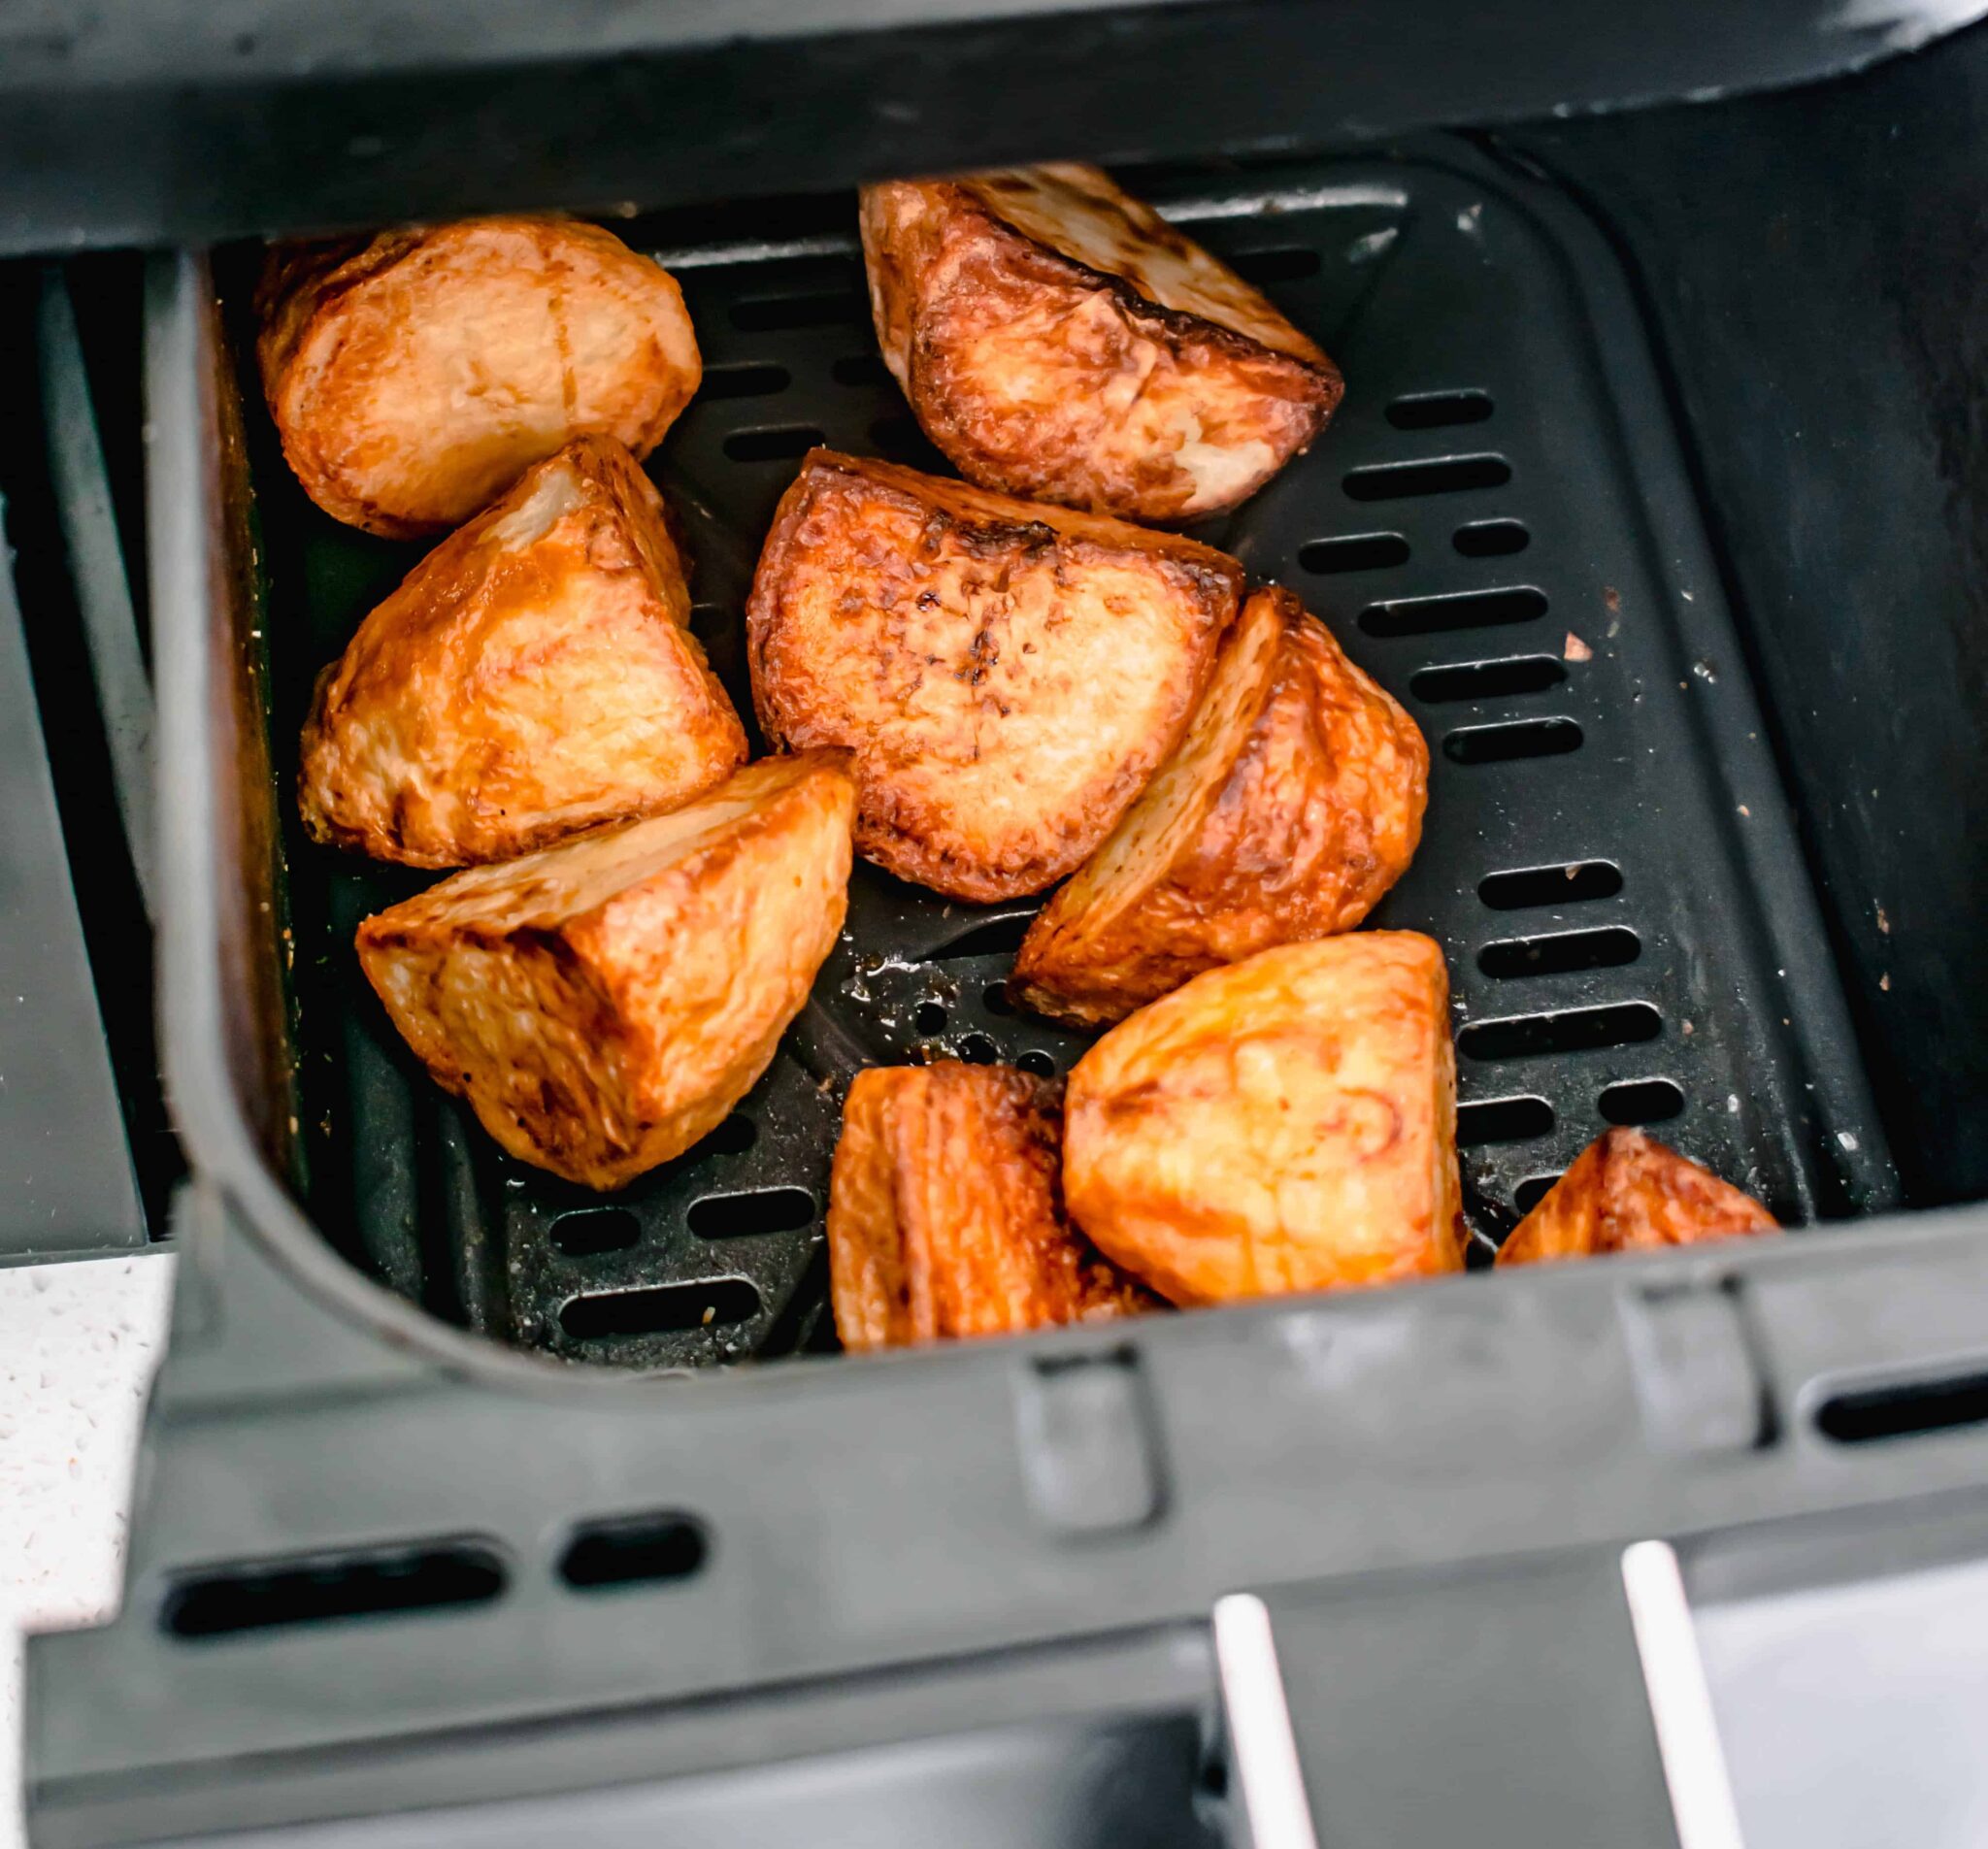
(820, 307)
(1517, 738)
(719, 1302)
(861, 368)
(1038, 1062)
(1571, 1030)
(1571, 881)
(262, 1596)
(1531, 1191)
(1502, 1120)
(995, 1000)
(592, 1230)
(1491, 539)
(977, 1049)
(631, 1550)
(1358, 552)
(773, 446)
(1487, 679)
(1445, 475)
(1560, 952)
(1437, 409)
(727, 1216)
(1457, 610)
(744, 381)
(1288, 263)
(1641, 1101)
(929, 1017)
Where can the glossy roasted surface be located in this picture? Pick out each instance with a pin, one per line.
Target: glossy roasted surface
(1627, 1192)
(532, 677)
(1286, 1123)
(602, 1005)
(1293, 802)
(414, 375)
(945, 1211)
(1058, 339)
(1009, 675)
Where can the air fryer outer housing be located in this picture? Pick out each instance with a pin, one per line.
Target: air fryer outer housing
(1756, 316)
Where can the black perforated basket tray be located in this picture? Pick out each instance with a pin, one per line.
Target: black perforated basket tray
(1496, 525)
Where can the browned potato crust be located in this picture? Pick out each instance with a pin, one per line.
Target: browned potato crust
(1294, 801)
(1059, 339)
(1007, 676)
(1626, 1193)
(531, 677)
(1286, 1123)
(604, 1003)
(414, 375)
(945, 1211)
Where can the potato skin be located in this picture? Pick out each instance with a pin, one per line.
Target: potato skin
(1286, 1123)
(1009, 675)
(1057, 339)
(532, 677)
(1627, 1192)
(604, 1003)
(945, 1211)
(412, 376)
(1293, 802)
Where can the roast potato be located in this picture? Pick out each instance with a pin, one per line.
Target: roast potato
(1292, 804)
(1286, 1123)
(532, 677)
(1627, 1192)
(604, 1003)
(1007, 676)
(414, 375)
(1058, 339)
(945, 1211)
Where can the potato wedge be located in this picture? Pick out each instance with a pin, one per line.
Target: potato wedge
(1286, 1123)
(945, 1211)
(1057, 339)
(532, 677)
(1627, 1192)
(1293, 802)
(412, 376)
(604, 1003)
(1007, 676)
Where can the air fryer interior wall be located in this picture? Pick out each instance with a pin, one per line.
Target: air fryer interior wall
(1497, 525)
(1811, 267)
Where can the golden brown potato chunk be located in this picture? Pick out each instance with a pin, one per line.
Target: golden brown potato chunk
(1626, 1193)
(1292, 804)
(414, 375)
(1007, 676)
(1286, 1123)
(604, 1003)
(1058, 339)
(945, 1211)
(532, 677)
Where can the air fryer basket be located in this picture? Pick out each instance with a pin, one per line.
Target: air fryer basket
(386, 1564)
(1496, 526)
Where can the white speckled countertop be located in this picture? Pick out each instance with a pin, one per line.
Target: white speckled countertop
(79, 1342)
